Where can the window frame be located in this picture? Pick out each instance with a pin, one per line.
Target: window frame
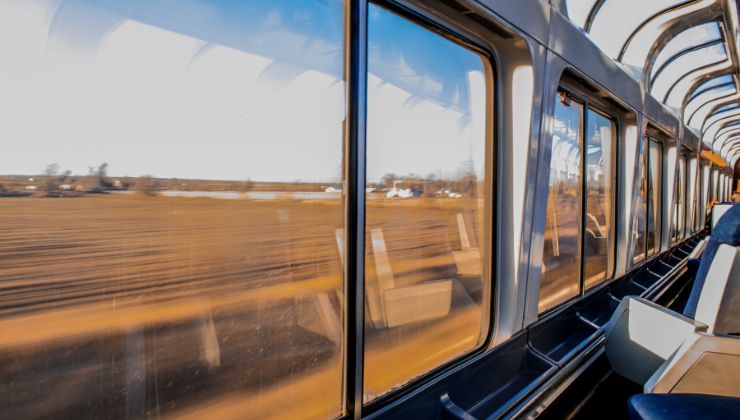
(452, 31)
(654, 136)
(645, 140)
(657, 224)
(578, 94)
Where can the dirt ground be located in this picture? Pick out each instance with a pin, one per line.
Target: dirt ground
(126, 305)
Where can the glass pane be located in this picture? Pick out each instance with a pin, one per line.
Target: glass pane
(698, 196)
(684, 64)
(712, 83)
(687, 196)
(698, 109)
(426, 201)
(640, 223)
(682, 89)
(169, 208)
(682, 196)
(725, 108)
(691, 37)
(618, 19)
(597, 244)
(678, 202)
(561, 265)
(716, 121)
(655, 184)
(578, 10)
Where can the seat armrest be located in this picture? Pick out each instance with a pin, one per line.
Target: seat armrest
(703, 364)
(641, 335)
(696, 252)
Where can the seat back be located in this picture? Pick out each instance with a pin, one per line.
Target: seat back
(718, 210)
(727, 231)
(718, 304)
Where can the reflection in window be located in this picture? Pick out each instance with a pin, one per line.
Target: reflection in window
(641, 208)
(691, 190)
(169, 208)
(679, 199)
(655, 191)
(646, 231)
(682, 195)
(426, 199)
(561, 265)
(598, 217)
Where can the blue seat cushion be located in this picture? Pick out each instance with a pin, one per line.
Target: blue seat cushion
(682, 407)
(727, 231)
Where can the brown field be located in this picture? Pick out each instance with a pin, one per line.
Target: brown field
(125, 305)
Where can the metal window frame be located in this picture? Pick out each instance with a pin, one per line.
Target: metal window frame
(691, 117)
(727, 128)
(356, 13)
(705, 128)
(686, 74)
(658, 224)
(588, 102)
(645, 22)
(595, 9)
(704, 90)
(683, 52)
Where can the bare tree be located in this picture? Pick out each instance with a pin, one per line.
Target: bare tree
(102, 176)
(53, 179)
(147, 185)
(388, 179)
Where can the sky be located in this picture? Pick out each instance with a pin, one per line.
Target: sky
(227, 90)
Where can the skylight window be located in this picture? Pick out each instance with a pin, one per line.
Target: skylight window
(698, 108)
(578, 10)
(682, 66)
(617, 19)
(712, 84)
(692, 38)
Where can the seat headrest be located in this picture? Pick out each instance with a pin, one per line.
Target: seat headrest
(727, 230)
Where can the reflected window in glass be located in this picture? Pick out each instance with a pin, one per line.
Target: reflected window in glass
(641, 208)
(427, 197)
(598, 245)
(655, 194)
(561, 264)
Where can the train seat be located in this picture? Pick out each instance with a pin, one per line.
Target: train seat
(681, 407)
(725, 231)
(641, 336)
(719, 210)
(703, 364)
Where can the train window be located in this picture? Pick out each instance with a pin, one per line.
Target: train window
(679, 201)
(598, 237)
(578, 231)
(705, 191)
(561, 265)
(170, 202)
(693, 177)
(655, 192)
(646, 235)
(641, 208)
(686, 184)
(426, 201)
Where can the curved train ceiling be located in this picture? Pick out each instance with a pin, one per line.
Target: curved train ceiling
(684, 53)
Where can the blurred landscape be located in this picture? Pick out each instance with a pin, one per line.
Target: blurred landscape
(134, 297)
